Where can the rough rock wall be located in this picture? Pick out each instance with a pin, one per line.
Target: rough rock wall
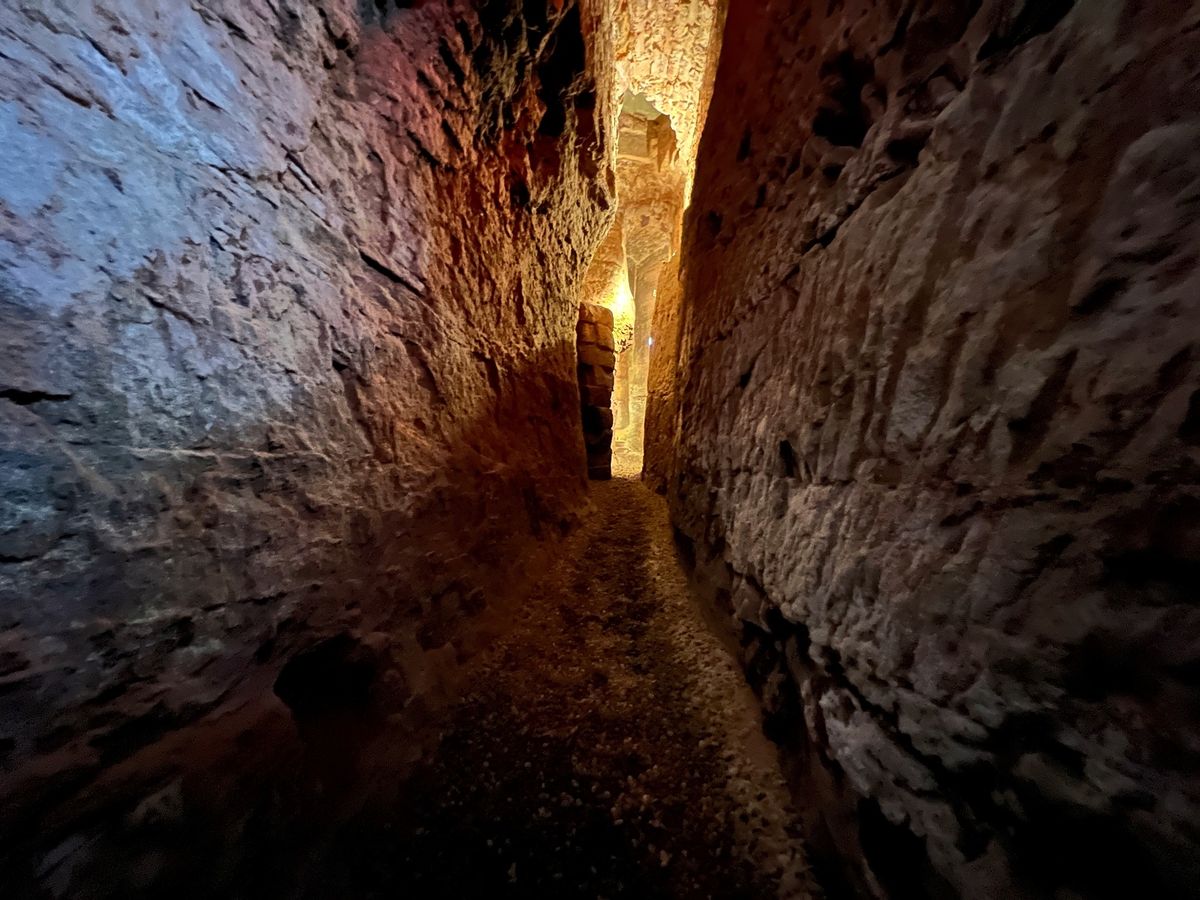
(287, 294)
(650, 185)
(665, 191)
(940, 429)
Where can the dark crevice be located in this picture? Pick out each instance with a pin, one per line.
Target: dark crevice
(1101, 295)
(388, 272)
(787, 458)
(743, 152)
(1031, 429)
(1036, 17)
(451, 63)
(844, 119)
(29, 397)
(1189, 431)
(337, 673)
(559, 68)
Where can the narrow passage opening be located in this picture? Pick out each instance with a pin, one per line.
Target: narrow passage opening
(623, 276)
(663, 101)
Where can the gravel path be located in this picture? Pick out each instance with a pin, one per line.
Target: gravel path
(610, 748)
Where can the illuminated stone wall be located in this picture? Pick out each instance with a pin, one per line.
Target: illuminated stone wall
(607, 283)
(664, 51)
(666, 57)
(597, 359)
(287, 296)
(661, 427)
(650, 188)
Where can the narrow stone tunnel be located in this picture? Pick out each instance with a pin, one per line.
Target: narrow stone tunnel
(599, 448)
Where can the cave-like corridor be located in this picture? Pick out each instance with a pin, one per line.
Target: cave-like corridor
(586, 449)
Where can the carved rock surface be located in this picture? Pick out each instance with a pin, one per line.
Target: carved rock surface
(938, 428)
(287, 295)
(664, 51)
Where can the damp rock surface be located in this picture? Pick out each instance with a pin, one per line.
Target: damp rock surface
(609, 747)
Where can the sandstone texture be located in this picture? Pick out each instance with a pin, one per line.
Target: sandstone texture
(665, 62)
(650, 191)
(938, 434)
(288, 294)
(667, 52)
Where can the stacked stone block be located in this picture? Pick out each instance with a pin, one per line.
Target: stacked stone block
(597, 359)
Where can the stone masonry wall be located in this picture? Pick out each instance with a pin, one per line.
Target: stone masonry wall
(597, 360)
(287, 294)
(939, 437)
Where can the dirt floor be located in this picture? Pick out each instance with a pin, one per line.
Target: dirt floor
(610, 748)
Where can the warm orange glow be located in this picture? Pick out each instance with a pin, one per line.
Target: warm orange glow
(619, 299)
(666, 52)
(665, 60)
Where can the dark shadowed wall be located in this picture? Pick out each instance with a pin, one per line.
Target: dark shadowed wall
(938, 437)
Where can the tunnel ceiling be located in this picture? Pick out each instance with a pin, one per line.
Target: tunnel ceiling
(666, 52)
